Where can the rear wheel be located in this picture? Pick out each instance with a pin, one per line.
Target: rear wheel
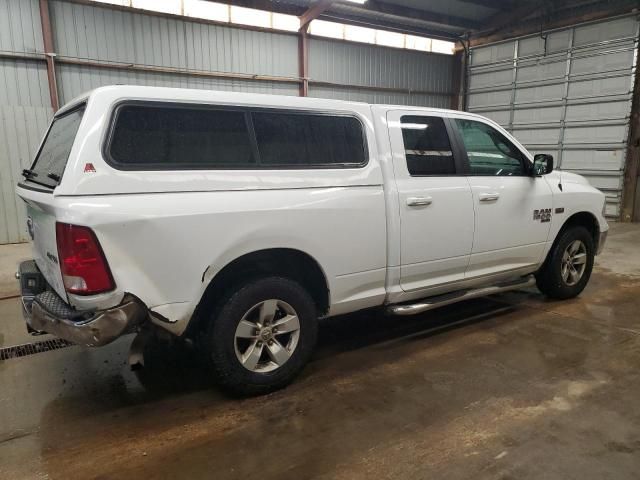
(568, 267)
(261, 336)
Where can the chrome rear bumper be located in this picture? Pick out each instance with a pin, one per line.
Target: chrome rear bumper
(45, 312)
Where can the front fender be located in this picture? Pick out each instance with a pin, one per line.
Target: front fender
(572, 194)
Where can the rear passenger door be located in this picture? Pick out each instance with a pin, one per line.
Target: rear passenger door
(436, 208)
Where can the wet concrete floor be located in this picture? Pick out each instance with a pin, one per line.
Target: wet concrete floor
(512, 387)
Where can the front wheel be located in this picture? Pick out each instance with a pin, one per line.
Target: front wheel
(568, 267)
(261, 336)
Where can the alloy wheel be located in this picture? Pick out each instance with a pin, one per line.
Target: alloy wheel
(267, 336)
(574, 262)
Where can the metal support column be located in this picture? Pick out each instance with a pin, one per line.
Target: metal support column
(303, 60)
(514, 79)
(314, 11)
(47, 38)
(457, 73)
(565, 99)
(630, 211)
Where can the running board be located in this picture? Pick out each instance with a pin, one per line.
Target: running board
(455, 297)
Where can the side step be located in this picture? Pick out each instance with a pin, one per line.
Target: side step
(449, 298)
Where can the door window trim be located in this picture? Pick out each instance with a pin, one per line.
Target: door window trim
(247, 110)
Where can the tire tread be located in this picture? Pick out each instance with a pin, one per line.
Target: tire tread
(229, 375)
(548, 278)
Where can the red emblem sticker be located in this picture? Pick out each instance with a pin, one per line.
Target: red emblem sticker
(89, 168)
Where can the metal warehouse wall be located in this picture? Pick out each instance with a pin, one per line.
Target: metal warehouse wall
(98, 34)
(99, 45)
(568, 93)
(25, 108)
(387, 75)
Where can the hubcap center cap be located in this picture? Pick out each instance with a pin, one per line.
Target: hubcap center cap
(265, 334)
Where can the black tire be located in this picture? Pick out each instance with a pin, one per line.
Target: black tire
(220, 340)
(549, 278)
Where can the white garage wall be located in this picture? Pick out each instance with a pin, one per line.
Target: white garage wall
(567, 93)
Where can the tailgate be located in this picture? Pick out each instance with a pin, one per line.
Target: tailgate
(41, 223)
(47, 171)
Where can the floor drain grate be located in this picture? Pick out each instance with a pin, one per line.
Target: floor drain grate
(17, 351)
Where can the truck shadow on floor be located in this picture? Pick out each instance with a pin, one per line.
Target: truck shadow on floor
(180, 403)
(177, 367)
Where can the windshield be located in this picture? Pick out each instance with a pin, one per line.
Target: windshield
(49, 165)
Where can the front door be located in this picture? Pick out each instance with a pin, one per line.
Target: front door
(436, 209)
(512, 208)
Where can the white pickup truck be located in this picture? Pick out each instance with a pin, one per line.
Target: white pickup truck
(240, 219)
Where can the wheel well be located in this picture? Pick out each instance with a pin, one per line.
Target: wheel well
(284, 262)
(586, 220)
(582, 219)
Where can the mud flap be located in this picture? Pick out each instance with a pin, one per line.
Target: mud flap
(136, 351)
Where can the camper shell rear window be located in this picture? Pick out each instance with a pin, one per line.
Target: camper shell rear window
(51, 160)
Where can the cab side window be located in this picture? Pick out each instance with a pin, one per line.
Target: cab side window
(426, 145)
(489, 152)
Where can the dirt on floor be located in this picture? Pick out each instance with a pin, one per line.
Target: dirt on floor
(513, 387)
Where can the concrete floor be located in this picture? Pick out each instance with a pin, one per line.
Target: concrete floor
(510, 387)
(10, 256)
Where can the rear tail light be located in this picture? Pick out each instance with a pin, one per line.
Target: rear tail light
(84, 269)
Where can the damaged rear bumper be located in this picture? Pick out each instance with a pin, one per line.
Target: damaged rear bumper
(45, 312)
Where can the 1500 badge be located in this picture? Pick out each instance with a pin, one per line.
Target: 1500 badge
(544, 215)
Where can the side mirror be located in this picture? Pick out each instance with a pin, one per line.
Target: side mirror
(542, 164)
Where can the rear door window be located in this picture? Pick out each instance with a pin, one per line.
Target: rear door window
(52, 158)
(176, 136)
(308, 140)
(426, 146)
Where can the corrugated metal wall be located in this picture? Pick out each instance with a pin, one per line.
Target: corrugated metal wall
(567, 93)
(418, 79)
(96, 33)
(97, 45)
(24, 108)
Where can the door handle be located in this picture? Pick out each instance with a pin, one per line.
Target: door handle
(419, 201)
(489, 197)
